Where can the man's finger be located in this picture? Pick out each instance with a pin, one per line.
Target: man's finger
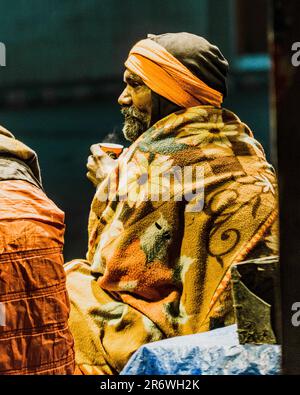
(90, 176)
(91, 162)
(96, 150)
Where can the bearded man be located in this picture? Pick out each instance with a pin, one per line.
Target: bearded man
(158, 268)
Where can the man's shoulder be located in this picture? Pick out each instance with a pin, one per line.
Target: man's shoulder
(5, 132)
(21, 199)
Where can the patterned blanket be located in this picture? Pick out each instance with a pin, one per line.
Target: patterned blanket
(192, 195)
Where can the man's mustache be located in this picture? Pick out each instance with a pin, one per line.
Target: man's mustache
(132, 112)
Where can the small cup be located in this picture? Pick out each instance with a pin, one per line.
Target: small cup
(113, 150)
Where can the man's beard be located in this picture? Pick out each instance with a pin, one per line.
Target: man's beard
(136, 122)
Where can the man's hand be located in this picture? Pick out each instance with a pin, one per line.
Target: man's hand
(99, 165)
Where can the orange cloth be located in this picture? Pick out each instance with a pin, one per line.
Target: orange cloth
(168, 77)
(34, 333)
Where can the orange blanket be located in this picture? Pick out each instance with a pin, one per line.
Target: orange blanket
(34, 305)
(159, 268)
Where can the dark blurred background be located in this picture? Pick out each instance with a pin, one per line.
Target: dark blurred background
(59, 90)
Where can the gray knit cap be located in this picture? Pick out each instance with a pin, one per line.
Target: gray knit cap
(203, 59)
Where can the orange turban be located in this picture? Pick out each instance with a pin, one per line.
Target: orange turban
(168, 77)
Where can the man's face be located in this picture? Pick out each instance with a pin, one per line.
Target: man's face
(136, 103)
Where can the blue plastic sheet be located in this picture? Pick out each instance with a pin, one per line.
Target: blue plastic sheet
(217, 352)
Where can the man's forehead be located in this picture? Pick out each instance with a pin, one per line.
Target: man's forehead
(132, 76)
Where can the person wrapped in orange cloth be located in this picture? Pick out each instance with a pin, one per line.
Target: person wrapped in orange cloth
(34, 305)
(192, 195)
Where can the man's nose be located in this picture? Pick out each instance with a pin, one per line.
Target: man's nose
(124, 98)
